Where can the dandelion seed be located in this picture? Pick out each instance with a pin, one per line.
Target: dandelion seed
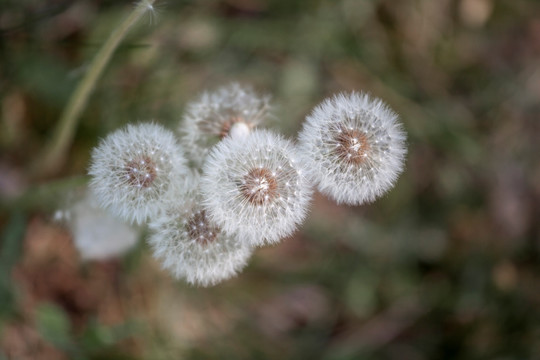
(353, 147)
(152, 10)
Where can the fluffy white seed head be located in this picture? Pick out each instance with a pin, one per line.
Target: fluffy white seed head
(231, 109)
(353, 147)
(192, 247)
(97, 234)
(255, 188)
(134, 168)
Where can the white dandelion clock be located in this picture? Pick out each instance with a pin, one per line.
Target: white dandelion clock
(96, 234)
(354, 148)
(192, 247)
(134, 168)
(231, 110)
(255, 188)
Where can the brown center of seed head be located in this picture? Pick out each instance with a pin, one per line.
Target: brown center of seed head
(353, 146)
(141, 172)
(227, 125)
(259, 186)
(200, 229)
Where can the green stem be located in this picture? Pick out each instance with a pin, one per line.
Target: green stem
(56, 149)
(44, 196)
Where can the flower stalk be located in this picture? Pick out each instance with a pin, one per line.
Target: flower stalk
(56, 149)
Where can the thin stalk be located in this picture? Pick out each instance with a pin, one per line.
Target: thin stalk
(56, 149)
(44, 196)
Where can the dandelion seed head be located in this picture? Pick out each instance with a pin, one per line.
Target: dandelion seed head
(134, 168)
(253, 188)
(353, 147)
(231, 110)
(192, 247)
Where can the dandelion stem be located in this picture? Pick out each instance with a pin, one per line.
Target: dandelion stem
(56, 149)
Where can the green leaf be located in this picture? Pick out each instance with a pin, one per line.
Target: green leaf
(53, 324)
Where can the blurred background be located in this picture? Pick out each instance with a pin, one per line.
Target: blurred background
(445, 266)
